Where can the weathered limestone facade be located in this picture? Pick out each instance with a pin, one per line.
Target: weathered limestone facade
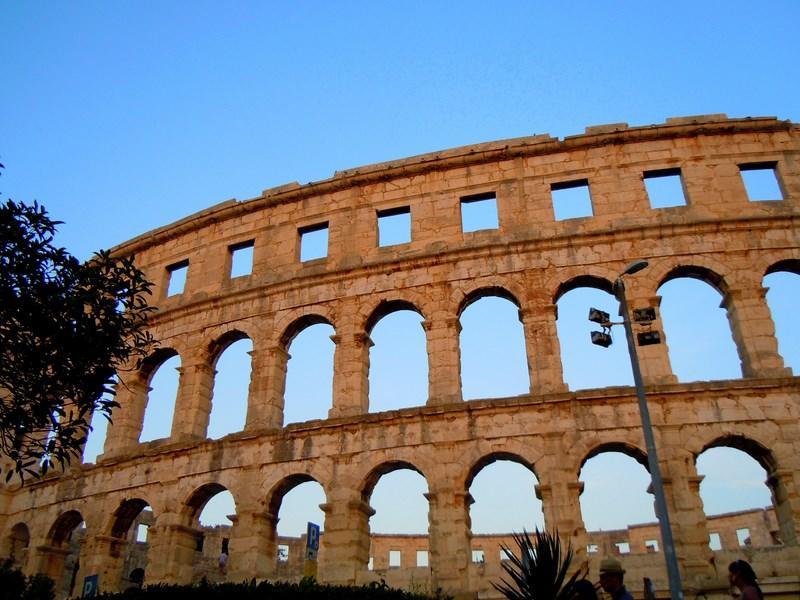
(720, 236)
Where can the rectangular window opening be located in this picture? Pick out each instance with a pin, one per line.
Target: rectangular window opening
(651, 545)
(478, 556)
(141, 532)
(479, 212)
(313, 242)
(571, 199)
(371, 564)
(177, 278)
(743, 536)
(283, 553)
(394, 226)
(592, 549)
(505, 554)
(623, 547)
(714, 541)
(241, 259)
(761, 181)
(422, 558)
(394, 558)
(665, 188)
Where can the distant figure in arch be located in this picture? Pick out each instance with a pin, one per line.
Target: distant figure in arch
(223, 562)
(611, 579)
(741, 575)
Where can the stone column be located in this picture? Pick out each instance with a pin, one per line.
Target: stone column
(653, 358)
(265, 398)
(753, 330)
(171, 551)
(253, 546)
(689, 528)
(123, 434)
(346, 538)
(350, 374)
(449, 537)
(444, 359)
(559, 490)
(102, 555)
(193, 404)
(50, 561)
(786, 499)
(542, 346)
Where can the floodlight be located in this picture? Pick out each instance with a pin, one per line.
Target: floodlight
(598, 316)
(600, 338)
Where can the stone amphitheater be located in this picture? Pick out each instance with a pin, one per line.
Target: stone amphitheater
(718, 234)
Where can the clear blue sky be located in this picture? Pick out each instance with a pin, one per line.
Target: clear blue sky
(124, 116)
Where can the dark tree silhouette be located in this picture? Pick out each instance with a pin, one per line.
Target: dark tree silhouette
(66, 328)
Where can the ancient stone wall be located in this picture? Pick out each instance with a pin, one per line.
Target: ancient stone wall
(532, 258)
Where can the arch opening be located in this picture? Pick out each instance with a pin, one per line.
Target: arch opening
(398, 361)
(309, 372)
(160, 400)
(783, 289)
(697, 327)
(617, 509)
(494, 361)
(584, 364)
(230, 391)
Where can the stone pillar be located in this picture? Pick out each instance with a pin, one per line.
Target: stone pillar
(653, 358)
(193, 404)
(689, 528)
(265, 397)
(449, 537)
(560, 491)
(171, 551)
(543, 349)
(346, 538)
(50, 561)
(102, 555)
(753, 330)
(253, 546)
(444, 359)
(350, 375)
(123, 434)
(786, 499)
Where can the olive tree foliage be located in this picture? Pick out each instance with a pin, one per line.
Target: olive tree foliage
(66, 328)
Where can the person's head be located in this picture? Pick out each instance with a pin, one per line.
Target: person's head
(740, 573)
(584, 590)
(611, 575)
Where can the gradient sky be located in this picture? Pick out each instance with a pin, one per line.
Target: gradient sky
(125, 116)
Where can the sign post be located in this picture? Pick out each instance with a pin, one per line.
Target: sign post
(312, 548)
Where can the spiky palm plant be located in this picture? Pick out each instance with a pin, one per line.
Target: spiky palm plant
(538, 571)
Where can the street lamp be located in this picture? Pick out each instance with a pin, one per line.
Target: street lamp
(604, 339)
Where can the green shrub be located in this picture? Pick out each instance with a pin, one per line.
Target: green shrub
(15, 586)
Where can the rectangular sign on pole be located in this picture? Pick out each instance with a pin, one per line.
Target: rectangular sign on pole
(90, 585)
(312, 536)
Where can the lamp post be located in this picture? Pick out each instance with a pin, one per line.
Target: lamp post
(673, 574)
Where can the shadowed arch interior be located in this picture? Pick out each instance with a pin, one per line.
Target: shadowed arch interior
(124, 516)
(61, 531)
(151, 364)
(298, 325)
(371, 480)
(695, 272)
(791, 265)
(628, 449)
(762, 455)
(488, 459)
(582, 281)
(222, 343)
(487, 292)
(387, 307)
(283, 487)
(194, 505)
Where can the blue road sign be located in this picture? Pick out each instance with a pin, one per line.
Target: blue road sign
(312, 536)
(90, 585)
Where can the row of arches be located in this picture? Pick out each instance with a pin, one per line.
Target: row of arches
(494, 349)
(498, 474)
